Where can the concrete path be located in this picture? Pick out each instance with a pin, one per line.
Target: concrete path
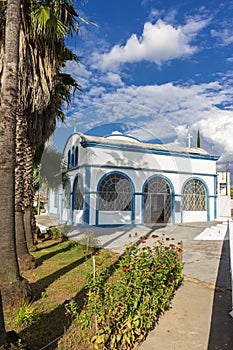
(199, 317)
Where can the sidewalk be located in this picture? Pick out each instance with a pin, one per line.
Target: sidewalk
(199, 317)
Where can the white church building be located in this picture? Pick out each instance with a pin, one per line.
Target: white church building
(118, 180)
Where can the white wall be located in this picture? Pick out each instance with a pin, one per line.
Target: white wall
(224, 206)
(139, 167)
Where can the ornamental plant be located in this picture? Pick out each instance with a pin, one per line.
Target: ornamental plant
(122, 308)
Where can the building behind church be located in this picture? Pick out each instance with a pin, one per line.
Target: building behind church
(118, 180)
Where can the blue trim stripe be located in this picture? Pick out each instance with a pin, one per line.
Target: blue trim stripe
(86, 215)
(138, 148)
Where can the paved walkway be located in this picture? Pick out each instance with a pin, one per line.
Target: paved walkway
(199, 317)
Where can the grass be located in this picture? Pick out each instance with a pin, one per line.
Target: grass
(60, 277)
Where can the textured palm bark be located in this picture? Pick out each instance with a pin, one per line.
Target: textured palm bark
(28, 196)
(25, 259)
(9, 268)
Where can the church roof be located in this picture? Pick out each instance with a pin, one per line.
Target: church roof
(128, 142)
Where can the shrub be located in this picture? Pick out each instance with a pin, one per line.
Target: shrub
(57, 233)
(125, 309)
(25, 315)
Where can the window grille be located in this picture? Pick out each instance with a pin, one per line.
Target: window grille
(78, 193)
(115, 194)
(157, 201)
(194, 196)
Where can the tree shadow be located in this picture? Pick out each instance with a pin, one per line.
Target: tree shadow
(54, 325)
(51, 254)
(221, 327)
(50, 327)
(50, 246)
(40, 285)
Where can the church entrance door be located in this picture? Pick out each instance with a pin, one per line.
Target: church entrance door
(157, 201)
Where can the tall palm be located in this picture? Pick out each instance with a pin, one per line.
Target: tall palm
(46, 105)
(12, 286)
(41, 57)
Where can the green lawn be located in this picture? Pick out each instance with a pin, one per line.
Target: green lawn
(59, 277)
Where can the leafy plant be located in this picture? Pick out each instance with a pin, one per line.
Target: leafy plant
(25, 315)
(43, 295)
(124, 308)
(57, 233)
(71, 308)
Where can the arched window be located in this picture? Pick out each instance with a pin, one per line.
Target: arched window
(78, 193)
(194, 196)
(76, 156)
(157, 201)
(67, 194)
(115, 193)
(72, 157)
(68, 160)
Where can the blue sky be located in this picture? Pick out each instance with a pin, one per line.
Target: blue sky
(156, 70)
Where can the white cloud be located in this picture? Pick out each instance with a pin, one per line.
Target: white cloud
(166, 112)
(111, 78)
(158, 43)
(224, 36)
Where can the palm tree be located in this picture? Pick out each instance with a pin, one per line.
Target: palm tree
(13, 287)
(55, 88)
(42, 55)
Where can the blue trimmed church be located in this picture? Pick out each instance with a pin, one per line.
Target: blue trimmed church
(119, 180)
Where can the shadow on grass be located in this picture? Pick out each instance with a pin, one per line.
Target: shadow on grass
(43, 283)
(221, 327)
(51, 254)
(47, 247)
(52, 326)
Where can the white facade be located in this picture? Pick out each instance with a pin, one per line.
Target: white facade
(117, 180)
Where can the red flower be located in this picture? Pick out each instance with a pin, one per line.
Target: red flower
(96, 253)
(154, 236)
(125, 269)
(85, 307)
(167, 239)
(142, 240)
(99, 264)
(161, 266)
(166, 248)
(170, 297)
(154, 269)
(157, 250)
(172, 238)
(163, 234)
(172, 245)
(84, 252)
(127, 248)
(179, 243)
(180, 250)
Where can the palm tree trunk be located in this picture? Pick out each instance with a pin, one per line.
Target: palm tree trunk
(29, 218)
(13, 287)
(25, 259)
